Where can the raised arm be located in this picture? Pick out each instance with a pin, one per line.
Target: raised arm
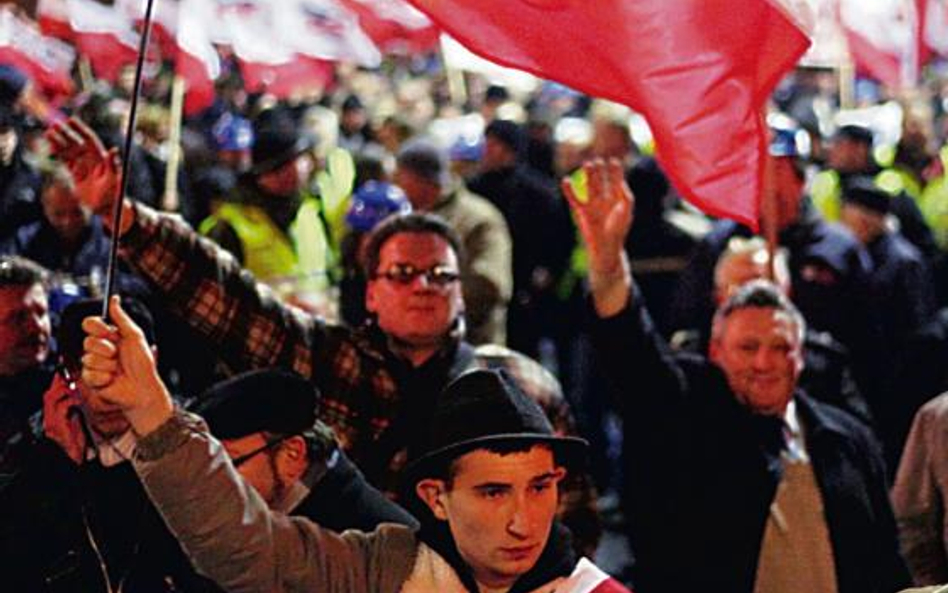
(630, 350)
(224, 526)
(200, 281)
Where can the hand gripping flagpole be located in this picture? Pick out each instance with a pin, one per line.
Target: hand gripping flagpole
(126, 160)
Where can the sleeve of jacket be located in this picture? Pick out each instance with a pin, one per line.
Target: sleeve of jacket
(647, 380)
(233, 538)
(206, 286)
(918, 496)
(488, 274)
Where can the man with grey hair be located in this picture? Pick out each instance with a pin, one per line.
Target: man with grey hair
(745, 482)
(827, 375)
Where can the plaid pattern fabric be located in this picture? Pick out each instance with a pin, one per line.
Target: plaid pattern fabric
(252, 328)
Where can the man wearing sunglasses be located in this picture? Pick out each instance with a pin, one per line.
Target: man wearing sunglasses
(76, 518)
(266, 420)
(379, 382)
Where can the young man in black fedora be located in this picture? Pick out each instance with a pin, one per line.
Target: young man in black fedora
(485, 481)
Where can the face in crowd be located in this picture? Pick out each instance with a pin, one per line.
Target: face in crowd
(25, 328)
(760, 351)
(499, 509)
(65, 213)
(269, 463)
(416, 293)
(289, 178)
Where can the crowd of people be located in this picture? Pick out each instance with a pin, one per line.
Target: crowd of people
(383, 338)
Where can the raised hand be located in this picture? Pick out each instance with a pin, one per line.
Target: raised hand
(119, 363)
(94, 169)
(604, 218)
(61, 422)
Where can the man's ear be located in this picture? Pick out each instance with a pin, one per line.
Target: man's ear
(430, 491)
(371, 298)
(714, 349)
(293, 459)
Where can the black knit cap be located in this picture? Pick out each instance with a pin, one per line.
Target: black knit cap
(863, 191)
(266, 400)
(482, 408)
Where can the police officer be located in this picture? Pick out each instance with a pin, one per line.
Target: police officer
(850, 153)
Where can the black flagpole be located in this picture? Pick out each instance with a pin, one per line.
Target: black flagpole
(123, 186)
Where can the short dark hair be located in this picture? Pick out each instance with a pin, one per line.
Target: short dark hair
(320, 441)
(19, 271)
(758, 294)
(415, 222)
(449, 470)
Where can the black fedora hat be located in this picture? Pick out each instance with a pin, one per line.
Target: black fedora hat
(278, 139)
(482, 408)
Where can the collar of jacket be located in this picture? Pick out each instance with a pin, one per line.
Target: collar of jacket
(374, 342)
(817, 423)
(557, 559)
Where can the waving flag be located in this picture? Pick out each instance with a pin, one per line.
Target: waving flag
(934, 26)
(700, 71)
(47, 61)
(395, 26)
(104, 35)
(589, 578)
(325, 29)
(53, 19)
(883, 38)
(268, 60)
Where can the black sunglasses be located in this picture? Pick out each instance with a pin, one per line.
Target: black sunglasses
(238, 461)
(405, 274)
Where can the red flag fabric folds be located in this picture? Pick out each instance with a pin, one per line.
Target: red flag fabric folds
(700, 71)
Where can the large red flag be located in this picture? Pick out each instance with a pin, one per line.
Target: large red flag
(700, 71)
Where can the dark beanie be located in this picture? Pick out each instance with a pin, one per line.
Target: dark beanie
(864, 192)
(259, 401)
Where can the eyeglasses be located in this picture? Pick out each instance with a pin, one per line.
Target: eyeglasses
(438, 275)
(238, 461)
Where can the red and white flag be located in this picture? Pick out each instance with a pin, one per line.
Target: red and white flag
(268, 60)
(53, 19)
(700, 71)
(934, 26)
(164, 21)
(197, 60)
(325, 29)
(47, 61)
(104, 35)
(883, 38)
(395, 26)
(589, 578)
